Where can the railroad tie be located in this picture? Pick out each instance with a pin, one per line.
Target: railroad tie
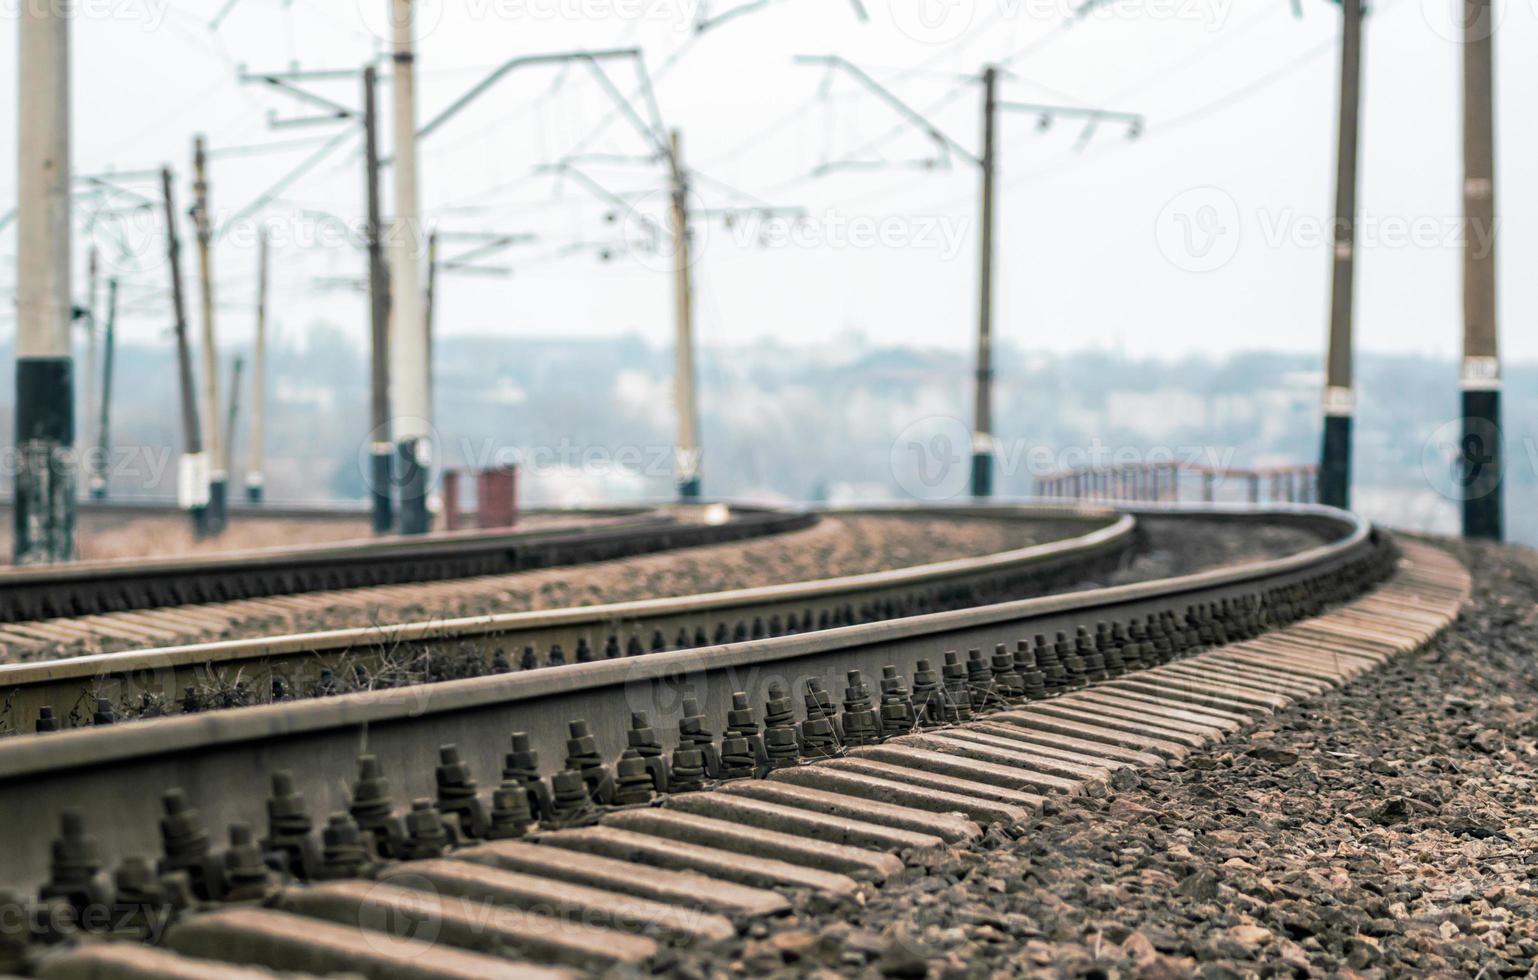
(459, 923)
(717, 863)
(494, 887)
(114, 960)
(675, 887)
(281, 940)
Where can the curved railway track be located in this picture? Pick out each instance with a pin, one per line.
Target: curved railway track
(242, 672)
(583, 859)
(84, 589)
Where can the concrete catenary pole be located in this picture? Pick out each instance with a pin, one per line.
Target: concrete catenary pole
(192, 470)
(1339, 401)
(254, 478)
(381, 447)
(408, 371)
(213, 438)
(44, 501)
(431, 312)
(982, 409)
(233, 413)
(687, 454)
(1482, 472)
(104, 426)
(84, 432)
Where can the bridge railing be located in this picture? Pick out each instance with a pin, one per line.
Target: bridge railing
(1178, 483)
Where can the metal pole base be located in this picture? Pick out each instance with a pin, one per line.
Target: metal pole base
(218, 507)
(982, 474)
(379, 491)
(415, 518)
(1335, 463)
(690, 490)
(1480, 467)
(44, 504)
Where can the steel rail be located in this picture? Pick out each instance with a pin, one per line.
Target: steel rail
(585, 633)
(222, 759)
(290, 510)
(88, 588)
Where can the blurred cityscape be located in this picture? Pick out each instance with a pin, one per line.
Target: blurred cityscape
(591, 421)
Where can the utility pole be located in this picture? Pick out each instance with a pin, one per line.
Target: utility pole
(408, 339)
(983, 439)
(236, 370)
(431, 311)
(982, 409)
(192, 471)
(218, 474)
(254, 482)
(687, 453)
(88, 400)
(103, 428)
(44, 501)
(1339, 401)
(1481, 472)
(382, 448)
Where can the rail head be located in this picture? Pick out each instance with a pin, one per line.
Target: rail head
(1115, 532)
(384, 548)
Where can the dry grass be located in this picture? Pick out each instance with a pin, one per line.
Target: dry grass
(109, 536)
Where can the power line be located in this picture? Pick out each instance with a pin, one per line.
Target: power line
(287, 180)
(1168, 70)
(1253, 87)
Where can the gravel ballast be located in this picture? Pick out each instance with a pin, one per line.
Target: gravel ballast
(1388, 829)
(835, 546)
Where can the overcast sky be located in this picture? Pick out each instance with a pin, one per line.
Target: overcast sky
(1208, 234)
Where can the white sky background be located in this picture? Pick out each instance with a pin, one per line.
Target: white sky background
(1090, 251)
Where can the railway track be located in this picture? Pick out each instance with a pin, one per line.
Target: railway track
(33, 601)
(90, 690)
(579, 861)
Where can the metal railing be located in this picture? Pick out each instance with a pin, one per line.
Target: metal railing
(1180, 483)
